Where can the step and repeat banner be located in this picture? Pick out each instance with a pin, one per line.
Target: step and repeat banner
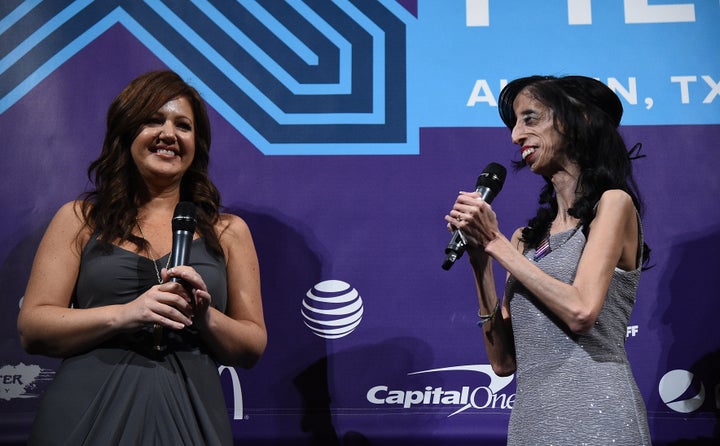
(342, 131)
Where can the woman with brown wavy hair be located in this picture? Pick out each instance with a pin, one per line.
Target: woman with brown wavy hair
(140, 342)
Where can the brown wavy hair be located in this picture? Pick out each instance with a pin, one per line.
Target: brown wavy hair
(110, 209)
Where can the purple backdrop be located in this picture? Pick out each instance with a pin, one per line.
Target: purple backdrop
(376, 223)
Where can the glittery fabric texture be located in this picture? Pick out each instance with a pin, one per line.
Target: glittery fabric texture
(574, 389)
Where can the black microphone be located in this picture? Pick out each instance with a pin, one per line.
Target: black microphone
(183, 226)
(488, 185)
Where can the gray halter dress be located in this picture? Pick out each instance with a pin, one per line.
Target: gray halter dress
(124, 393)
(574, 389)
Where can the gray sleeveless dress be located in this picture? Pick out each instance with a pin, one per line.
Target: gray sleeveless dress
(574, 389)
(122, 392)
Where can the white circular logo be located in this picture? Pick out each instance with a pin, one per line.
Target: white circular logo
(332, 309)
(681, 391)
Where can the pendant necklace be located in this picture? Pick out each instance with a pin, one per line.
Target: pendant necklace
(147, 249)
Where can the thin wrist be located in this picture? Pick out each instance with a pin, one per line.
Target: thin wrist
(489, 317)
(493, 246)
(478, 257)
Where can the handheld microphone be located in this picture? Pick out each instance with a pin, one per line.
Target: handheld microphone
(183, 226)
(488, 185)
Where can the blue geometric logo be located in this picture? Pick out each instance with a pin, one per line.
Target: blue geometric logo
(294, 77)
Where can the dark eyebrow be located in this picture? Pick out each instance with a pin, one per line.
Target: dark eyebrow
(528, 112)
(159, 114)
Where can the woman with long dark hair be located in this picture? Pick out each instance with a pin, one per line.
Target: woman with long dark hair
(572, 272)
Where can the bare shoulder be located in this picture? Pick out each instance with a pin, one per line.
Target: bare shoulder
(67, 228)
(616, 224)
(616, 201)
(70, 218)
(236, 240)
(72, 210)
(232, 228)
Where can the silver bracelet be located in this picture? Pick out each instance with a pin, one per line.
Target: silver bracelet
(485, 318)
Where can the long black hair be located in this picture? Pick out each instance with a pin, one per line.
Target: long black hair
(587, 114)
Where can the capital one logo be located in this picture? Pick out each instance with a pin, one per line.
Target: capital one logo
(681, 391)
(465, 396)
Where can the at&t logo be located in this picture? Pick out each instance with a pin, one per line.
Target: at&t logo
(332, 309)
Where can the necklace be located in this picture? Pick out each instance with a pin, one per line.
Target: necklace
(154, 261)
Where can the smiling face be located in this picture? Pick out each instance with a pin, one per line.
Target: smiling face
(164, 148)
(541, 144)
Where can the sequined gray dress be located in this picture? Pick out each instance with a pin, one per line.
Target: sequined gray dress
(574, 389)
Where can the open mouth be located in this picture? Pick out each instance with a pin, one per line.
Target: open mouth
(164, 151)
(527, 152)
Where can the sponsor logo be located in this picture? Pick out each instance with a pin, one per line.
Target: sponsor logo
(237, 397)
(465, 396)
(477, 12)
(332, 309)
(19, 381)
(681, 391)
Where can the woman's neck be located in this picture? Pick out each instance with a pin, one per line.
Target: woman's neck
(565, 183)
